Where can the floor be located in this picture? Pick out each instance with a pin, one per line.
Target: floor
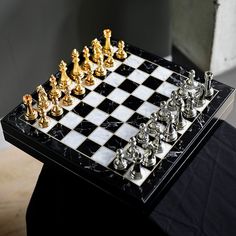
(19, 173)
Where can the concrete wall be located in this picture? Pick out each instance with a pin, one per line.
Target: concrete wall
(36, 35)
(205, 31)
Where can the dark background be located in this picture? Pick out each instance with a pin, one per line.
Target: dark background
(36, 35)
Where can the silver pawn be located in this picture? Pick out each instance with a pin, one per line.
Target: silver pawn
(163, 113)
(200, 96)
(191, 83)
(153, 126)
(190, 110)
(170, 134)
(149, 158)
(132, 146)
(120, 163)
(135, 172)
(208, 86)
(180, 121)
(172, 101)
(182, 90)
(143, 136)
(157, 144)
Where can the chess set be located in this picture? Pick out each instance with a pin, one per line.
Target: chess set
(122, 119)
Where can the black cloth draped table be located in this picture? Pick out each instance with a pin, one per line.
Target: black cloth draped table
(202, 201)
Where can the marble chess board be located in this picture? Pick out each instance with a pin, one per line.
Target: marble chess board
(85, 138)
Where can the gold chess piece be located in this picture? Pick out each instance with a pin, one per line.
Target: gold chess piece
(67, 99)
(89, 80)
(97, 50)
(100, 70)
(55, 94)
(87, 64)
(77, 70)
(121, 54)
(44, 120)
(79, 88)
(109, 62)
(107, 48)
(43, 101)
(55, 91)
(31, 113)
(65, 81)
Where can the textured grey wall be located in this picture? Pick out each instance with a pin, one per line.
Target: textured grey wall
(36, 35)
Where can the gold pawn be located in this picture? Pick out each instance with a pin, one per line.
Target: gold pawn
(121, 54)
(55, 91)
(107, 47)
(97, 50)
(109, 62)
(43, 101)
(79, 89)
(31, 113)
(90, 80)
(44, 120)
(87, 65)
(65, 81)
(76, 71)
(100, 70)
(67, 99)
(56, 109)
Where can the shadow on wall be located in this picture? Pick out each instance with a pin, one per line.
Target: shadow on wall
(36, 35)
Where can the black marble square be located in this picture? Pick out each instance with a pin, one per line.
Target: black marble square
(83, 109)
(156, 98)
(115, 142)
(59, 131)
(104, 89)
(136, 119)
(124, 70)
(175, 79)
(108, 106)
(112, 124)
(57, 118)
(152, 83)
(128, 86)
(147, 67)
(85, 127)
(88, 147)
(133, 102)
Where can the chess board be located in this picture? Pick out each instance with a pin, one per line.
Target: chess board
(85, 138)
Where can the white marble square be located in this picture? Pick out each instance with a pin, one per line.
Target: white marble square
(134, 61)
(71, 120)
(166, 149)
(73, 139)
(145, 173)
(122, 113)
(142, 92)
(166, 88)
(126, 131)
(118, 95)
(104, 156)
(146, 109)
(45, 130)
(138, 76)
(96, 116)
(93, 99)
(115, 79)
(92, 87)
(162, 73)
(115, 49)
(116, 65)
(76, 101)
(100, 135)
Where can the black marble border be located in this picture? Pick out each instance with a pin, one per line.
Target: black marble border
(48, 149)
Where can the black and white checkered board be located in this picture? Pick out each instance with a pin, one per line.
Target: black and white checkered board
(109, 113)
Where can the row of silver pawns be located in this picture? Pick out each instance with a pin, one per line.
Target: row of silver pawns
(182, 104)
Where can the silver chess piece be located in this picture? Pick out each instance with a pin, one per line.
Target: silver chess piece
(163, 113)
(153, 126)
(208, 86)
(135, 172)
(200, 96)
(180, 121)
(191, 83)
(190, 110)
(120, 163)
(149, 159)
(143, 136)
(132, 147)
(170, 134)
(171, 103)
(157, 144)
(182, 90)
